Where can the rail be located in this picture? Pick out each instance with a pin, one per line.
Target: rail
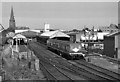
(99, 70)
(75, 68)
(51, 71)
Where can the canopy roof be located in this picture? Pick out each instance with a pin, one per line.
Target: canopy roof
(29, 33)
(56, 33)
(19, 36)
(19, 31)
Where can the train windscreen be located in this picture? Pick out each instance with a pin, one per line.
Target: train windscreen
(75, 47)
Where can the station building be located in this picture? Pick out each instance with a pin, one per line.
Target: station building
(112, 45)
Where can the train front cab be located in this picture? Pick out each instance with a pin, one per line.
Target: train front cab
(75, 51)
(77, 56)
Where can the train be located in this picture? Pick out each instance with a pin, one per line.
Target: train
(42, 39)
(64, 48)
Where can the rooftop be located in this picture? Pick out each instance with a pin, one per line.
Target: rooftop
(113, 34)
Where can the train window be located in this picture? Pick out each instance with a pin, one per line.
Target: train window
(58, 45)
(63, 47)
(51, 44)
(55, 44)
(67, 48)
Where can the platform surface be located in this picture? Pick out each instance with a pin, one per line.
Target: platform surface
(23, 48)
(104, 63)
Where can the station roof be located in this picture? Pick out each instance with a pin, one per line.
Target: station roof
(29, 33)
(19, 31)
(53, 34)
(19, 36)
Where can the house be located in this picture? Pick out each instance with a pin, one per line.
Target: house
(112, 28)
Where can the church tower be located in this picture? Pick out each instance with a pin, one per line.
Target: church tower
(12, 20)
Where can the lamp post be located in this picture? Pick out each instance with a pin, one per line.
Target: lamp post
(12, 48)
(88, 42)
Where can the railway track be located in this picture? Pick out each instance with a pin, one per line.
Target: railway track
(57, 64)
(51, 71)
(99, 70)
(98, 67)
(76, 69)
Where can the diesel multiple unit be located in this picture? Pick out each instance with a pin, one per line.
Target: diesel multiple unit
(64, 48)
(67, 49)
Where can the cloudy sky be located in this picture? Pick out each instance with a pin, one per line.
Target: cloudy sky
(61, 15)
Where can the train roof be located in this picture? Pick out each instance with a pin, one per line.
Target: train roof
(43, 36)
(62, 41)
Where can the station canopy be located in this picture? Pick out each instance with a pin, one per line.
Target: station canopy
(19, 36)
(29, 33)
(57, 33)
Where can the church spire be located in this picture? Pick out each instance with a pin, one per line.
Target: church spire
(12, 20)
(12, 14)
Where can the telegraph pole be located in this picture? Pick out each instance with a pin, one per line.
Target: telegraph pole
(88, 42)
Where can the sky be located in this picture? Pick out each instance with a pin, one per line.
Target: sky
(119, 13)
(61, 15)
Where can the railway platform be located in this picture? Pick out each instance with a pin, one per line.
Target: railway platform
(103, 62)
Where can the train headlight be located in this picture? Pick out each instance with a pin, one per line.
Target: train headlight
(75, 49)
(83, 54)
